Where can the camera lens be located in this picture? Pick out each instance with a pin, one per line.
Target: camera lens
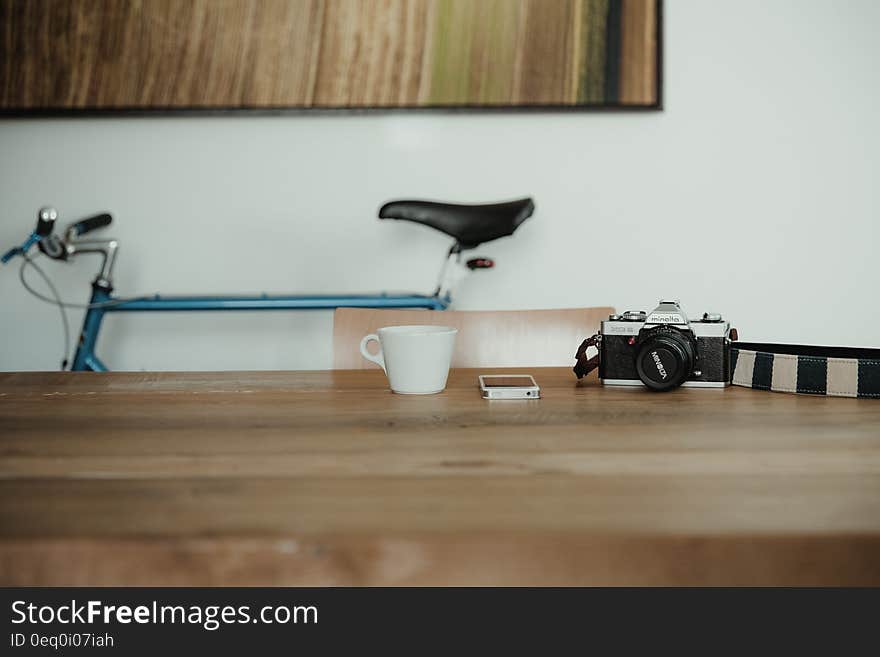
(665, 358)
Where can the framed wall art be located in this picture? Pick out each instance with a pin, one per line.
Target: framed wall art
(69, 56)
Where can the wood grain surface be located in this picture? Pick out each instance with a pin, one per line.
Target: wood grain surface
(204, 54)
(328, 478)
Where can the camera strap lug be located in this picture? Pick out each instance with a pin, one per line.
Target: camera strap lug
(586, 365)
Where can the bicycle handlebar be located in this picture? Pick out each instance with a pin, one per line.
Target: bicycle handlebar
(46, 218)
(89, 224)
(45, 221)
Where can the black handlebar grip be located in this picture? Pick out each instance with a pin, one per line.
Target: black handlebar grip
(46, 221)
(84, 226)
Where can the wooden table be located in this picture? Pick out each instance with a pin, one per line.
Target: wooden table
(326, 478)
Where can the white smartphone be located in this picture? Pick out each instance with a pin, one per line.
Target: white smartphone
(509, 386)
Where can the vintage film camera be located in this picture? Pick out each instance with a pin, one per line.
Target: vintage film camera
(661, 349)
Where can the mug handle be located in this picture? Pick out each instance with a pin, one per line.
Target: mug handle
(379, 358)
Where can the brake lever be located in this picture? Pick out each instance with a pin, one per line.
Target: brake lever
(32, 239)
(45, 223)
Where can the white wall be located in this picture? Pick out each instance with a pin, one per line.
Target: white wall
(754, 193)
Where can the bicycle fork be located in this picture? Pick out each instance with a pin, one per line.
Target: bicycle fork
(85, 359)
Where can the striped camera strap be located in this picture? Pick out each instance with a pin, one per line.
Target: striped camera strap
(836, 371)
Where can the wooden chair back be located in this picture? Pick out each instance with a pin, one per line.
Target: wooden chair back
(494, 338)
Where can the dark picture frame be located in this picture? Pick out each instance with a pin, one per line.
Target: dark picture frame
(29, 81)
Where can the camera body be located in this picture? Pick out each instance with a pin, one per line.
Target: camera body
(663, 349)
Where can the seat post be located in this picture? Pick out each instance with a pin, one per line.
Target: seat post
(451, 273)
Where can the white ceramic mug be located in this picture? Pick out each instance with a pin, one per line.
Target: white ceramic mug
(416, 359)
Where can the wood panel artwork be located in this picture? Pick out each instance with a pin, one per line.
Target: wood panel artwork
(76, 55)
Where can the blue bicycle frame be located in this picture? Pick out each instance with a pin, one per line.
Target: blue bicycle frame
(103, 302)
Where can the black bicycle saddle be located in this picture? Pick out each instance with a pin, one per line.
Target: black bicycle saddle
(470, 225)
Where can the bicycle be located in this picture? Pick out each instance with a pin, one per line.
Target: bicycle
(469, 225)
